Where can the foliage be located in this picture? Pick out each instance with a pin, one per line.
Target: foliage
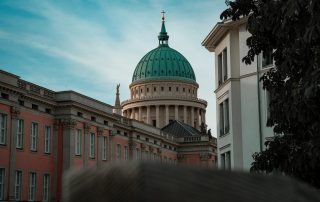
(291, 28)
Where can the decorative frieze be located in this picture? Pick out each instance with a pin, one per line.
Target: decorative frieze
(68, 123)
(100, 131)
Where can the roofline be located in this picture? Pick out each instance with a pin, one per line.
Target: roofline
(219, 31)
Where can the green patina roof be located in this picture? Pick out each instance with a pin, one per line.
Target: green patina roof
(163, 63)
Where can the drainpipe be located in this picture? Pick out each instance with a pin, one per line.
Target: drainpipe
(259, 108)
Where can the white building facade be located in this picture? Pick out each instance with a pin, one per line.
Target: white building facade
(242, 103)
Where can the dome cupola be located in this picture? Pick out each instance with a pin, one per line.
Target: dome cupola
(163, 63)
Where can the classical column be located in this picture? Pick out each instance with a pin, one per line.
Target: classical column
(68, 143)
(176, 112)
(12, 160)
(55, 141)
(192, 117)
(167, 114)
(148, 115)
(157, 116)
(99, 147)
(139, 113)
(185, 114)
(86, 145)
(198, 118)
(132, 113)
(204, 115)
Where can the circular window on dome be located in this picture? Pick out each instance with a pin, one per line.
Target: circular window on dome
(142, 73)
(161, 58)
(162, 71)
(155, 71)
(168, 58)
(169, 71)
(177, 72)
(148, 72)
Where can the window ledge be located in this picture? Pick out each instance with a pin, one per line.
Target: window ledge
(224, 135)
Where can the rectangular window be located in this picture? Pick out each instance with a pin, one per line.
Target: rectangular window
(118, 152)
(5, 96)
(2, 177)
(77, 142)
(93, 118)
(20, 131)
(46, 187)
(3, 128)
(219, 69)
(18, 185)
(34, 106)
(105, 148)
(92, 145)
(32, 186)
(169, 88)
(138, 154)
(226, 161)
(126, 153)
(48, 110)
(266, 58)
(224, 117)
(34, 137)
(225, 65)
(21, 102)
(47, 139)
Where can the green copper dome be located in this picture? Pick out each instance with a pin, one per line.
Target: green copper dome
(163, 63)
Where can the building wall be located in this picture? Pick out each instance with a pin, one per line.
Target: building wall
(66, 112)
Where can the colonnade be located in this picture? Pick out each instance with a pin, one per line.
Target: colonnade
(146, 113)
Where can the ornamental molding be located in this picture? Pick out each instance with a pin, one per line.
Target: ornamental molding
(15, 112)
(87, 128)
(143, 147)
(205, 156)
(132, 145)
(69, 123)
(100, 131)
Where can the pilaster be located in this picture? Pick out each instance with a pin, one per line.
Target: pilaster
(15, 112)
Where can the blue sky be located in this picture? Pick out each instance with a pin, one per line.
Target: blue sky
(89, 46)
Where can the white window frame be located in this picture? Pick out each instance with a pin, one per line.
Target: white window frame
(34, 136)
(20, 134)
(224, 117)
(118, 152)
(226, 160)
(18, 185)
(32, 194)
(92, 145)
(126, 153)
(47, 139)
(3, 128)
(78, 142)
(105, 148)
(46, 187)
(2, 182)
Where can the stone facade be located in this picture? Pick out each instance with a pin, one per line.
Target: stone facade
(242, 103)
(67, 130)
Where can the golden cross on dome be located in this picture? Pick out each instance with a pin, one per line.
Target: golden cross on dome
(163, 14)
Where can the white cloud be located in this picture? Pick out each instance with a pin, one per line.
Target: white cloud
(96, 55)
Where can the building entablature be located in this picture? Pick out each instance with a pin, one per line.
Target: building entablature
(164, 100)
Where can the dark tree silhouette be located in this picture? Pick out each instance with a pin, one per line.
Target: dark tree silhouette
(291, 28)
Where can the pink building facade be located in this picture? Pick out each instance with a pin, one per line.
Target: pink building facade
(45, 133)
